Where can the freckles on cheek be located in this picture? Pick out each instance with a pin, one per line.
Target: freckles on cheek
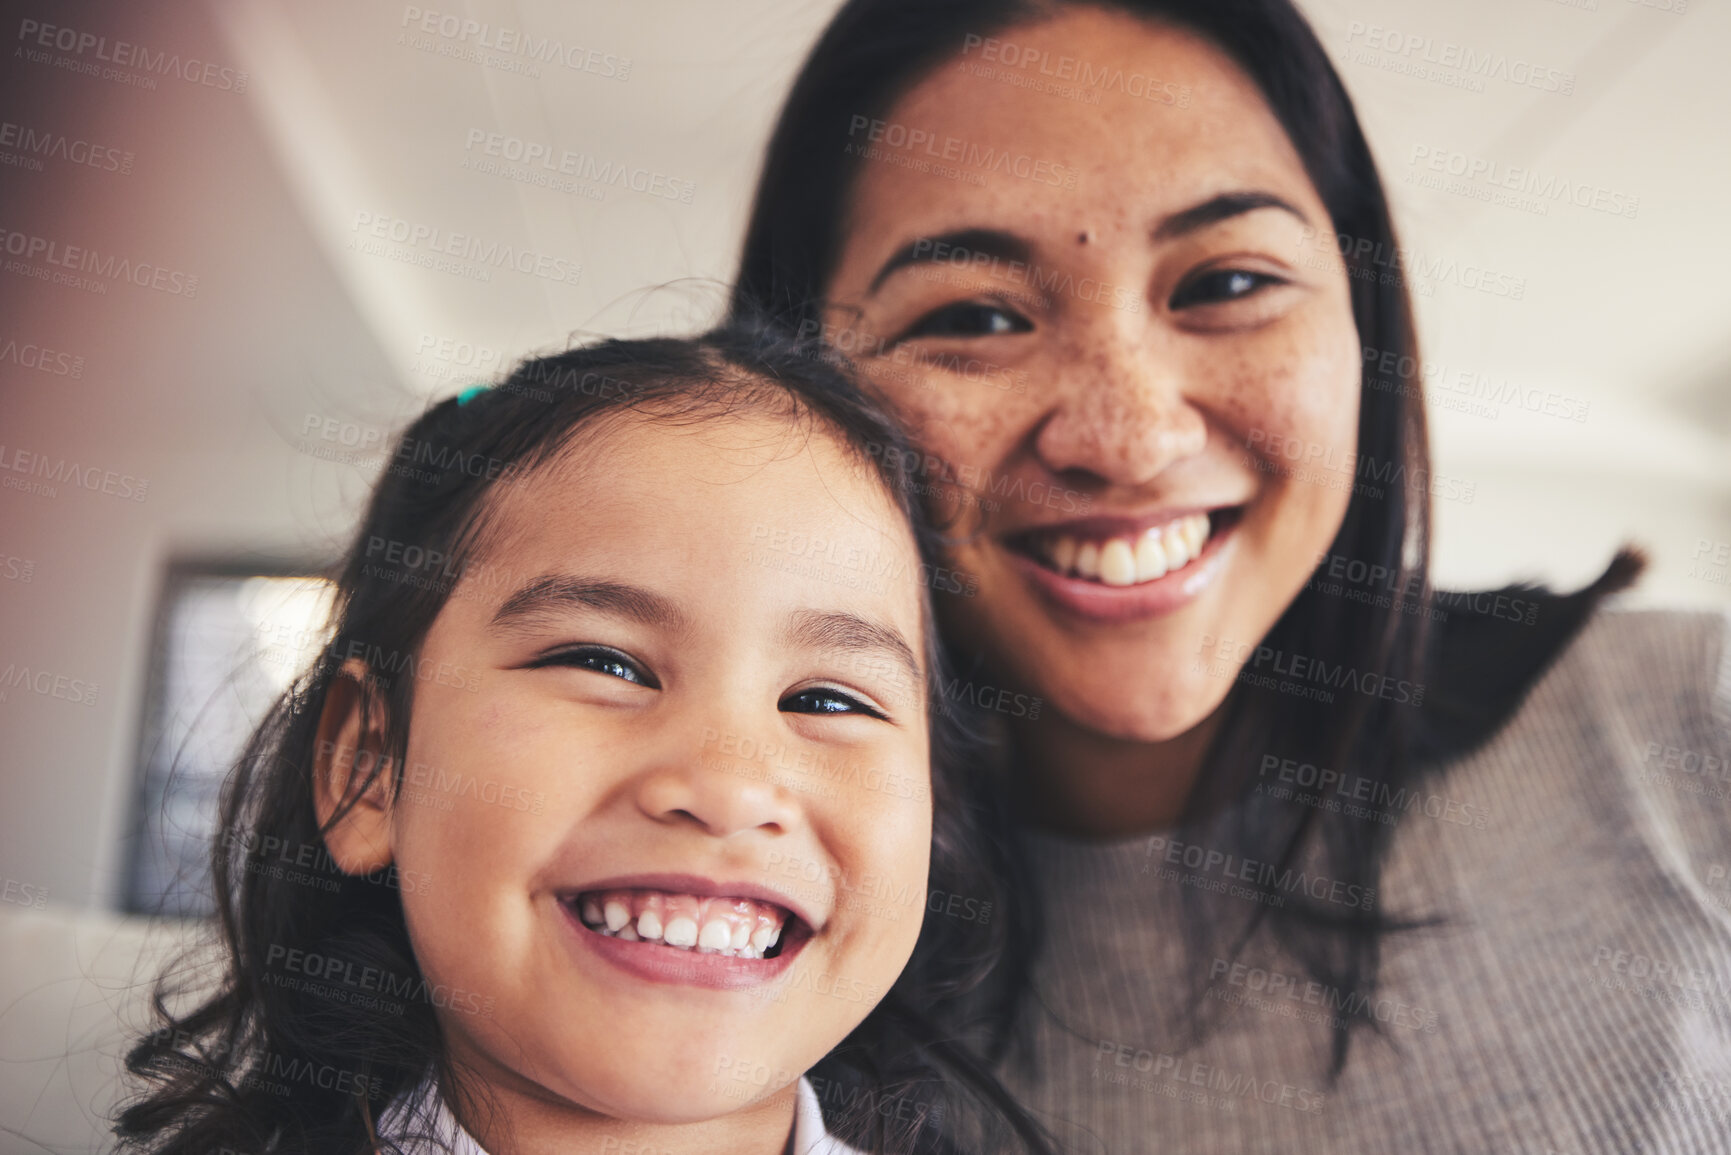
(1303, 389)
(969, 432)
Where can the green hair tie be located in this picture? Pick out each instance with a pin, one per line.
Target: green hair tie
(471, 393)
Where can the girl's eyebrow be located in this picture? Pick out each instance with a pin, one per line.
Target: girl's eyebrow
(554, 593)
(851, 633)
(813, 629)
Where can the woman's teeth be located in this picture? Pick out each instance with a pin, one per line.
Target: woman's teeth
(1128, 561)
(736, 927)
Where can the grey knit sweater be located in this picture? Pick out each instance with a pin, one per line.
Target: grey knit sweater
(1578, 998)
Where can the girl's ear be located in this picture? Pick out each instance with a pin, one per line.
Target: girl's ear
(351, 766)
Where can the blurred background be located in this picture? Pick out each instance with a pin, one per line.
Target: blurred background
(243, 241)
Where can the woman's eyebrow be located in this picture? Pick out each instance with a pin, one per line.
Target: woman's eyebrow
(1219, 208)
(850, 633)
(963, 246)
(556, 593)
(960, 246)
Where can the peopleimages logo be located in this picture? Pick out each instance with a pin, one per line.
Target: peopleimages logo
(1461, 65)
(82, 259)
(1084, 75)
(47, 684)
(1372, 260)
(1304, 669)
(954, 150)
(415, 243)
(35, 144)
(583, 166)
(1228, 868)
(475, 39)
(30, 355)
(35, 37)
(51, 472)
(23, 894)
(1498, 176)
(1171, 1072)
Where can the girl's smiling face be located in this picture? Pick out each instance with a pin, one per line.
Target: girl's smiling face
(680, 692)
(1127, 328)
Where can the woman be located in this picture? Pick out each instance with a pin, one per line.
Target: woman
(1319, 859)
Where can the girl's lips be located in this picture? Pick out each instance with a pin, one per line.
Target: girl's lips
(1098, 602)
(658, 963)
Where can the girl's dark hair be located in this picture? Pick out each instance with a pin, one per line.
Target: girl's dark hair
(1471, 667)
(280, 1058)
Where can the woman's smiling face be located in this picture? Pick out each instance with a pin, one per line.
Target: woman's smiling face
(1119, 325)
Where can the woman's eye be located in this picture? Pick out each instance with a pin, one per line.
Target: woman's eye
(824, 700)
(603, 660)
(969, 319)
(1220, 285)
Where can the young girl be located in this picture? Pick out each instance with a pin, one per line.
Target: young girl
(615, 803)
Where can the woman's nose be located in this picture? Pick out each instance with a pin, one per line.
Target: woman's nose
(723, 783)
(1122, 403)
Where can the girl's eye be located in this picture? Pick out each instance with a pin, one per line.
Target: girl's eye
(603, 660)
(1220, 285)
(826, 700)
(969, 319)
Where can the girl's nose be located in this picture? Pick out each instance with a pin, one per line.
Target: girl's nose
(1123, 408)
(723, 784)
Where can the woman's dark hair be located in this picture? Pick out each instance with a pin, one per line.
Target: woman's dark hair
(268, 1061)
(1475, 667)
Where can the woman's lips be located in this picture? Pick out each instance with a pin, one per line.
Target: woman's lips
(1111, 572)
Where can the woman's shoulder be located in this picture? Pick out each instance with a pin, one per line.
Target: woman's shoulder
(1652, 683)
(1655, 685)
(1674, 660)
(1487, 651)
(1623, 745)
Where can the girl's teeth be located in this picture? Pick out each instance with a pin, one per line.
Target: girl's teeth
(716, 935)
(764, 936)
(1124, 561)
(735, 927)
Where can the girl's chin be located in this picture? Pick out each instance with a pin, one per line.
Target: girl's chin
(672, 1105)
(704, 1087)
